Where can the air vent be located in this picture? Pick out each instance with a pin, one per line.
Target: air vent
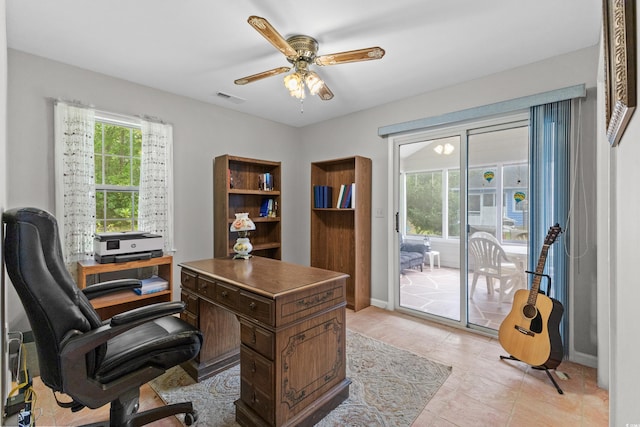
(230, 98)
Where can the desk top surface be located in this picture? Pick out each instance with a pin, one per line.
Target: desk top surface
(264, 276)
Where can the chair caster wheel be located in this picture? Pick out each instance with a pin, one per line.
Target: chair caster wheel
(190, 418)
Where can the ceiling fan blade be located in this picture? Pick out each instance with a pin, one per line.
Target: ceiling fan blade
(325, 93)
(262, 75)
(351, 56)
(268, 32)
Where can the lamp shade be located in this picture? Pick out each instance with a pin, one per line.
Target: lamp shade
(242, 223)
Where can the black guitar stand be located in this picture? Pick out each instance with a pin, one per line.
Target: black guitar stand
(542, 367)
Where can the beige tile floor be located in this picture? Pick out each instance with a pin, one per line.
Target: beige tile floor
(482, 390)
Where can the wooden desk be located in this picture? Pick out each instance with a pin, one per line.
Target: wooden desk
(290, 336)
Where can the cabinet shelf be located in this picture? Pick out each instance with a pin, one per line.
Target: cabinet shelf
(260, 219)
(254, 192)
(118, 302)
(341, 237)
(245, 173)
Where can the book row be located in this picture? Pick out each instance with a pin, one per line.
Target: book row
(324, 197)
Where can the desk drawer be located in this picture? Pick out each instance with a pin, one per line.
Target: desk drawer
(257, 338)
(257, 371)
(258, 308)
(191, 301)
(188, 279)
(206, 288)
(257, 400)
(227, 295)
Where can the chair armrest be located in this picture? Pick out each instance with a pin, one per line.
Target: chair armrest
(415, 247)
(77, 344)
(104, 288)
(148, 312)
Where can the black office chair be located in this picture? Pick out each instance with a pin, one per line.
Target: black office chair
(92, 361)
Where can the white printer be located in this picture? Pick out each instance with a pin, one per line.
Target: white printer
(126, 246)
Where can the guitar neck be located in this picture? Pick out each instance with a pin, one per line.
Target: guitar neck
(535, 286)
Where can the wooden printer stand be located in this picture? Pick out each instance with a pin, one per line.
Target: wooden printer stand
(119, 302)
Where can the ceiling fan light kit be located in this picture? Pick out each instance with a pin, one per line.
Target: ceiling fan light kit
(301, 51)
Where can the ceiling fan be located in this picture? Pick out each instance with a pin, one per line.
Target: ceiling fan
(301, 51)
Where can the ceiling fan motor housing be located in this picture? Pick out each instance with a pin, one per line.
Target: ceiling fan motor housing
(305, 46)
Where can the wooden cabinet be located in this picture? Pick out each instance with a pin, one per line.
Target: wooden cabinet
(237, 188)
(341, 237)
(119, 302)
(290, 335)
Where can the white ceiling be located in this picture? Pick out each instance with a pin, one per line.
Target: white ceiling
(197, 48)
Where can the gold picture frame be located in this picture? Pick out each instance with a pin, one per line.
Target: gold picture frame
(619, 33)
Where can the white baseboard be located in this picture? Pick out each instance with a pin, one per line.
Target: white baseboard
(380, 304)
(583, 359)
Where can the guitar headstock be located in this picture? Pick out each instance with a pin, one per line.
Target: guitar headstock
(552, 234)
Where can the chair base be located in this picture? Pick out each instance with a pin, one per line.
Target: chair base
(124, 412)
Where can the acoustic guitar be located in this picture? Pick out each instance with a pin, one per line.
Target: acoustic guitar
(531, 331)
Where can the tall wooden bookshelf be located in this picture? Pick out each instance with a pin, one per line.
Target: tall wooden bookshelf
(341, 237)
(236, 189)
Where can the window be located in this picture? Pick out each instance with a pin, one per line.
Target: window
(113, 173)
(117, 154)
(424, 203)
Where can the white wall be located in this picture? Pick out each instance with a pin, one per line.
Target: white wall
(201, 132)
(624, 283)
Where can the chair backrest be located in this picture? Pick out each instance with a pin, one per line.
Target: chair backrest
(488, 254)
(485, 235)
(53, 303)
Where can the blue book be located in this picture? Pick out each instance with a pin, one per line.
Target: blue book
(347, 197)
(264, 207)
(152, 285)
(316, 196)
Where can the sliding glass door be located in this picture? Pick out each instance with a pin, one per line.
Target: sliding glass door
(441, 205)
(497, 215)
(429, 226)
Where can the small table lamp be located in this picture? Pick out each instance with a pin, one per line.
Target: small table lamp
(242, 224)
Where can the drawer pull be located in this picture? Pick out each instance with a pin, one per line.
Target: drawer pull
(253, 367)
(252, 306)
(224, 294)
(253, 397)
(253, 337)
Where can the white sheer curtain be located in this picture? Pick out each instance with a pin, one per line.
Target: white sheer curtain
(155, 210)
(75, 181)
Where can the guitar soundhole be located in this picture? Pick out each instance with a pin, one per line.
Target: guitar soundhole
(529, 311)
